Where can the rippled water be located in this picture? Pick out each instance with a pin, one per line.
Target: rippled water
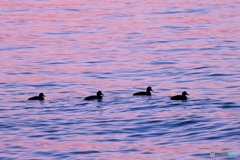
(71, 49)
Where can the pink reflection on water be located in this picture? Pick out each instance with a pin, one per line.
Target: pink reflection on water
(163, 151)
(43, 26)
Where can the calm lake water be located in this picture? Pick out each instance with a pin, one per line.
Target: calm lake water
(71, 49)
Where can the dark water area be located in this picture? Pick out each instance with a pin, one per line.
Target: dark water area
(71, 49)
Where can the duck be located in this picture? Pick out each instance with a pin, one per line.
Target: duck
(40, 97)
(98, 96)
(148, 93)
(180, 97)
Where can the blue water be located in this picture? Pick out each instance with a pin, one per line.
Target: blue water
(71, 49)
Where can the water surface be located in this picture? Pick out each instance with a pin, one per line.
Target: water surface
(71, 49)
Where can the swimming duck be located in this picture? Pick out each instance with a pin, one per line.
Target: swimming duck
(180, 97)
(40, 97)
(98, 96)
(148, 93)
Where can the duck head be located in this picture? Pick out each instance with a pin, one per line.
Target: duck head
(184, 93)
(149, 89)
(99, 93)
(41, 95)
